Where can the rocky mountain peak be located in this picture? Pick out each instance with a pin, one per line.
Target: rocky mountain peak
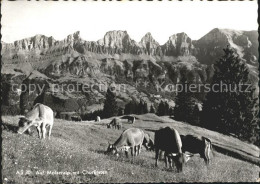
(148, 39)
(116, 38)
(206, 50)
(179, 44)
(73, 37)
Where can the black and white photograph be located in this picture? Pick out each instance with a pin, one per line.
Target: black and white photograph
(129, 91)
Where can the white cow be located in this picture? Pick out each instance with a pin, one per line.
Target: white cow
(98, 119)
(40, 116)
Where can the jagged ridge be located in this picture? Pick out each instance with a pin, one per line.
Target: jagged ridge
(206, 49)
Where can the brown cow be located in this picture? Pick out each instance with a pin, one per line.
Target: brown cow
(115, 123)
(168, 140)
(197, 144)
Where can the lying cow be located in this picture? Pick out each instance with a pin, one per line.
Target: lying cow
(168, 140)
(76, 118)
(197, 144)
(40, 116)
(115, 123)
(130, 119)
(132, 139)
(148, 142)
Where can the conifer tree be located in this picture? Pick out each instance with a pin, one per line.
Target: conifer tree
(145, 108)
(110, 106)
(152, 110)
(184, 102)
(232, 107)
(161, 110)
(140, 107)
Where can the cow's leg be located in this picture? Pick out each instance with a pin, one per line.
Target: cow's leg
(165, 159)
(50, 128)
(39, 131)
(126, 153)
(43, 130)
(132, 151)
(170, 162)
(139, 149)
(156, 157)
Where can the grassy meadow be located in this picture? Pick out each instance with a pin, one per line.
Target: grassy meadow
(75, 153)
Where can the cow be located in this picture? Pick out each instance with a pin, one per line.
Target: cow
(98, 119)
(130, 119)
(148, 142)
(168, 140)
(115, 123)
(132, 139)
(76, 118)
(197, 144)
(40, 116)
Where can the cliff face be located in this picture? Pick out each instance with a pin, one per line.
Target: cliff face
(116, 58)
(149, 45)
(206, 50)
(178, 45)
(210, 47)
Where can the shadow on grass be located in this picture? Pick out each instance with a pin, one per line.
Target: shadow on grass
(13, 128)
(103, 152)
(9, 127)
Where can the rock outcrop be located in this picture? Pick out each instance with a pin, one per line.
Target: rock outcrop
(206, 50)
(114, 58)
(210, 47)
(178, 45)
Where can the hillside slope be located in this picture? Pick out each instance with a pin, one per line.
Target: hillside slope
(79, 147)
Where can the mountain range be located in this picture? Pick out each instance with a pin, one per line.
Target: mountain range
(116, 58)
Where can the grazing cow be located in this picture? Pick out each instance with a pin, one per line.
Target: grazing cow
(197, 144)
(98, 119)
(76, 118)
(168, 140)
(132, 139)
(148, 142)
(40, 116)
(115, 123)
(130, 119)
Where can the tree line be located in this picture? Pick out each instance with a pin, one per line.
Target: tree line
(230, 112)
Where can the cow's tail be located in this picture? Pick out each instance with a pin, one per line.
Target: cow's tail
(210, 145)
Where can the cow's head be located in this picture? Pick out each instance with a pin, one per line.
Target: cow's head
(108, 125)
(180, 159)
(111, 149)
(151, 145)
(23, 124)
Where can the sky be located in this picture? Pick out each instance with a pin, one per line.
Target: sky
(22, 19)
